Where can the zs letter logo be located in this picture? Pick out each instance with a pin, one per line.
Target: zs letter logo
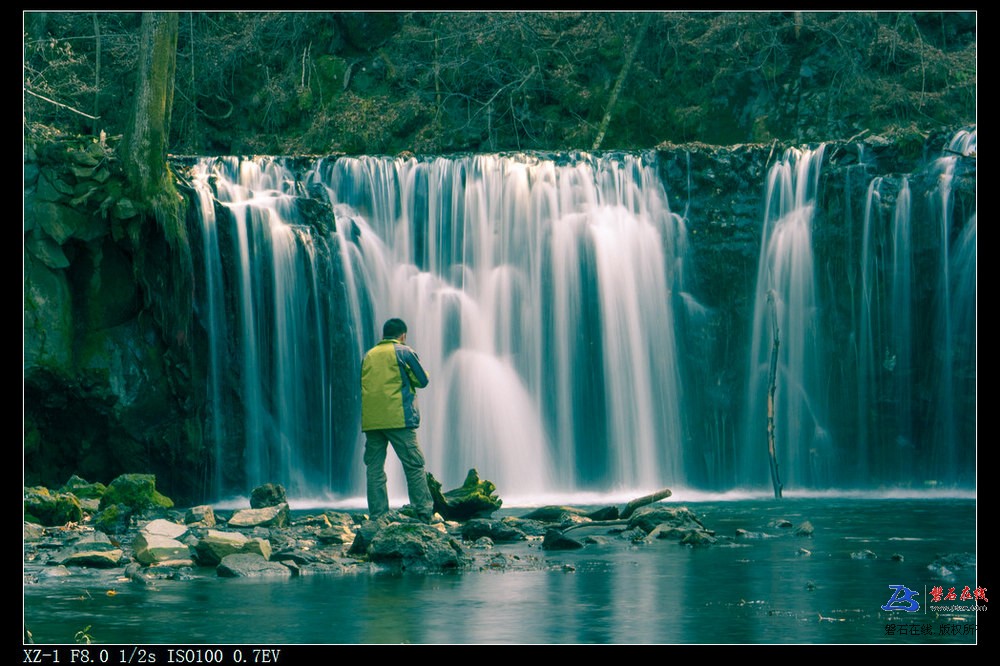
(902, 600)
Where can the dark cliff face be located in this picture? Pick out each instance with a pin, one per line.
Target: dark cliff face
(108, 383)
(110, 386)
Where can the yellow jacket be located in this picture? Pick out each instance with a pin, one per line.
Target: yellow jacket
(390, 376)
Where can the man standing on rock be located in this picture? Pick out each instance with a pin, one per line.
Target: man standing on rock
(390, 375)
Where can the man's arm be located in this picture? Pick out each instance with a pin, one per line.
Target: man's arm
(414, 370)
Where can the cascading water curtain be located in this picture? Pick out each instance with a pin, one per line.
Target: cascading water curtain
(547, 299)
(540, 297)
(917, 336)
(954, 332)
(785, 307)
(268, 271)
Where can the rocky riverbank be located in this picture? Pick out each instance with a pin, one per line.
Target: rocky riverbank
(129, 530)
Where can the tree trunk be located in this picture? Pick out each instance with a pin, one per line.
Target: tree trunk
(144, 149)
(97, 73)
(771, 386)
(163, 261)
(621, 82)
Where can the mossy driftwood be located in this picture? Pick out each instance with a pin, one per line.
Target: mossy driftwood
(474, 499)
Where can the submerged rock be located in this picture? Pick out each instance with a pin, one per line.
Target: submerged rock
(804, 529)
(496, 530)
(556, 540)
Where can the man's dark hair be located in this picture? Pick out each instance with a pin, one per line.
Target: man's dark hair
(393, 328)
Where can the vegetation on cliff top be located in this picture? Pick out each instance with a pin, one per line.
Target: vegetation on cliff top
(435, 82)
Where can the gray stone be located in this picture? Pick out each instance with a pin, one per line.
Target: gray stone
(341, 534)
(259, 546)
(151, 548)
(216, 545)
(164, 528)
(202, 516)
(269, 494)
(270, 516)
(556, 540)
(100, 559)
(250, 565)
(415, 546)
(33, 531)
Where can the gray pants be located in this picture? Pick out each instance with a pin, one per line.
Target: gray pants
(404, 443)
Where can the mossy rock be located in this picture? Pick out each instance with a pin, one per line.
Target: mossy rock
(269, 494)
(51, 509)
(113, 519)
(474, 499)
(135, 491)
(83, 488)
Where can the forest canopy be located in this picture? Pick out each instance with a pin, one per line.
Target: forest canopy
(439, 82)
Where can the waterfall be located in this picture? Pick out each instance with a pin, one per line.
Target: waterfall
(869, 339)
(786, 308)
(551, 303)
(954, 304)
(215, 323)
(532, 292)
(278, 348)
(538, 295)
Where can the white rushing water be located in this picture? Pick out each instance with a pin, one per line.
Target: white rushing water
(548, 299)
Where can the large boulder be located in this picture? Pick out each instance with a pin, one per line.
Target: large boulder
(556, 540)
(113, 519)
(557, 514)
(269, 494)
(679, 517)
(216, 545)
(136, 491)
(83, 489)
(415, 546)
(160, 541)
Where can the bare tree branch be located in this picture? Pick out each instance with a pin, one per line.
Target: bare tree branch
(68, 108)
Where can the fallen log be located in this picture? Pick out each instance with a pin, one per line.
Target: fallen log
(626, 512)
(630, 508)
